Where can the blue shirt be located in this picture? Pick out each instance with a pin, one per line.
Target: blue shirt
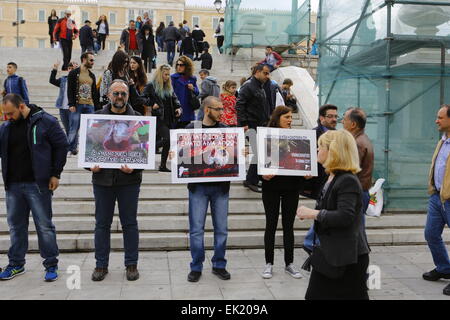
(441, 162)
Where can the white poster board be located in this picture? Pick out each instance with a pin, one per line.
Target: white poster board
(111, 141)
(207, 155)
(286, 152)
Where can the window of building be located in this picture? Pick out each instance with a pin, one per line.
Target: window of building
(131, 15)
(215, 23)
(21, 42)
(20, 14)
(168, 20)
(41, 43)
(195, 21)
(41, 17)
(112, 45)
(84, 16)
(112, 18)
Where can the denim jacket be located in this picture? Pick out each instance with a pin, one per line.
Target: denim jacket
(17, 85)
(61, 83)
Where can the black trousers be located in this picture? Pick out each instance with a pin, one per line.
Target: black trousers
(352, 286)
(220, 41)
(199, 49)
(163, 131)
(148, 63)
(102, 40)
(272, 198)
(66, 47)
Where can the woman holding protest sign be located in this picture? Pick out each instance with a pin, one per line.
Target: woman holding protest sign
(282, 190)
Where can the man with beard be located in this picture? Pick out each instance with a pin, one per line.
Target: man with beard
(201, 195)
(121, 185)
(33, 152)
(83, 96)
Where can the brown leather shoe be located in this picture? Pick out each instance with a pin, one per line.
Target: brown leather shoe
(132, 273)
(99, 274)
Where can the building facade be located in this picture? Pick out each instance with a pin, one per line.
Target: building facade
(34, 32)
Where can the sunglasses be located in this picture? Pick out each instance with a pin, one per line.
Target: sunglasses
(180, 65)
(91, 60)
(123, 94)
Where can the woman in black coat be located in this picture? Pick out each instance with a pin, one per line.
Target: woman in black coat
(167, 111)
(52, 20)
(341, 260)
(148, 50)
(103, 30)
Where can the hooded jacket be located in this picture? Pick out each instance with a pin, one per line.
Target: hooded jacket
(47, 142)
(209, 87)
(17, 85)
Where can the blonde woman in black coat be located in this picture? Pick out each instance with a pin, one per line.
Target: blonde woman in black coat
(340, 262)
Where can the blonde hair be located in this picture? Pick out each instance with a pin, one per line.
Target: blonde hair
(162, 89)
(342, 151)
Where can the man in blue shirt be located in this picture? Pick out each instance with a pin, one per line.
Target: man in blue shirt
(439, 204)
(15, 84)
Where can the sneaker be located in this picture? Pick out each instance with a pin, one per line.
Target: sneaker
(132, 273)
(267, 273)
(11, 272)
(194, 276)
(434, 275)
(163, 169)
(51, 274)
(222, 274)
(252, 187)
(446, 290)
(99, 274)
(293, 272)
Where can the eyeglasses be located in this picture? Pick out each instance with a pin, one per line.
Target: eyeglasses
(217, 109)
(91, 60)
(123, 94)
(332, 116)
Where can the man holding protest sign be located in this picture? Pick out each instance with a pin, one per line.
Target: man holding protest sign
(122, 185)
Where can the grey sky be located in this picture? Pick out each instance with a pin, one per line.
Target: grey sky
(263, 4)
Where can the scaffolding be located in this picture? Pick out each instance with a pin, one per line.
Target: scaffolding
(389, 57)
(249, 28)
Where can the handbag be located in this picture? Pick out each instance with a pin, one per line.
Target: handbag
(195, 103)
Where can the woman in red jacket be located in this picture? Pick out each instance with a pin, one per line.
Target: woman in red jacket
(228, 97)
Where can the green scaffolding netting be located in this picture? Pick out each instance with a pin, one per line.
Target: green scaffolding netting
(247, 27)
(389, 60)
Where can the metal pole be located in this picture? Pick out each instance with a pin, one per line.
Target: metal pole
(442, 96)
(387, 112)
(318, 37)
(17, 23)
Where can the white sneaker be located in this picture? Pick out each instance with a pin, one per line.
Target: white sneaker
(293, 272)
(267, 273)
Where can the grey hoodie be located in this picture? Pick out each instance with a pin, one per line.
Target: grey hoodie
(209, 87)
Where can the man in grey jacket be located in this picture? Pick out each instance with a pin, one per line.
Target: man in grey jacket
(209, 88)
(171, 36)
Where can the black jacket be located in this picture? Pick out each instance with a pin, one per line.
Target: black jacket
(115, 177)
(73, 88)
(339, 223)
(252, 105)
(207, 61)
(147, 46)
(48, 146)
(167, 105)
(198, 35)
(98, 23)
(188, 46)
(86, 37)
(171, 34)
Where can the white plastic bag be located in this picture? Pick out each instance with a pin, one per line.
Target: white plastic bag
(56, 45)
(279, 100)
(376, 199)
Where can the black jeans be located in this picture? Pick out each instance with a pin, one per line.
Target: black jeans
(105, 201)
(148, 63)
(66, 47)
(220, 41)
(272, 198)
(199, 49)
(252, 173)
(102, 40)
(164, 133)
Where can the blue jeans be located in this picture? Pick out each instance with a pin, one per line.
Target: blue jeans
(105, 201)
(309, 238)
(74, 124)
(20, 199)
(64, 115)
(160, 42)
(199, 200)
(438, 216)
(170, 46)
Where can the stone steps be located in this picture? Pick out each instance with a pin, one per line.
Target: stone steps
(236, 239)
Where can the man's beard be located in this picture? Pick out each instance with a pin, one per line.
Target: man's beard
(119, 105)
